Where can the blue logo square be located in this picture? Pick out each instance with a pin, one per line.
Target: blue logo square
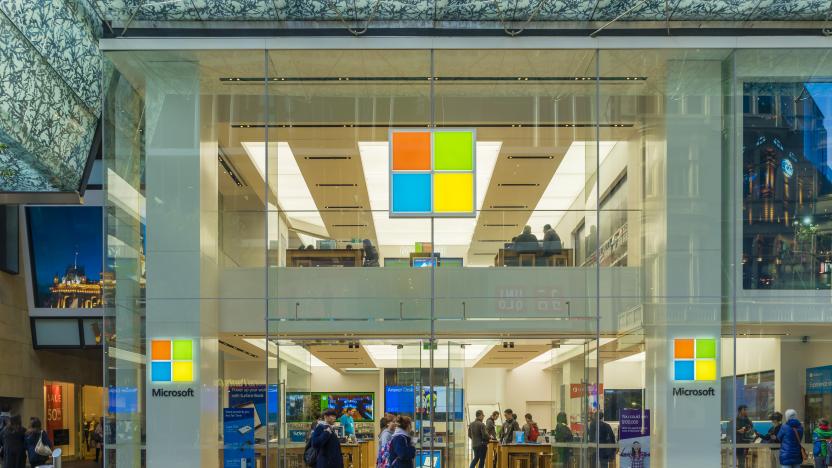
(683, 370)
(411, 193)
(160, 371)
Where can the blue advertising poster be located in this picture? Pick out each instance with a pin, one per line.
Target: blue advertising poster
(819, 380)
(238, 437)
(428, 459)
(255, 396)
(122, 400)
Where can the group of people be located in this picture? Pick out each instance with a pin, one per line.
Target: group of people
(397, 444)
(788, 435)
(528, 242)
(17, 444)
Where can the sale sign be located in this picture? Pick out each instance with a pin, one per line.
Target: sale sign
(54, 409)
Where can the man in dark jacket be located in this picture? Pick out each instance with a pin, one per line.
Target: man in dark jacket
(602, 432)
(790, 435)
(326, 442)
(745, 430)
(509, 426)
(479, 440)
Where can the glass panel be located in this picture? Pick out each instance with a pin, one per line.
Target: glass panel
(659, 191)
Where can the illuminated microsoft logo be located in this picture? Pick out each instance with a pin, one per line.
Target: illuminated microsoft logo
(694, 359)
(172, 360)
(432, 172)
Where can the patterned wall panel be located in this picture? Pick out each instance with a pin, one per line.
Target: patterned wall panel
(40, 112)
(462, 10)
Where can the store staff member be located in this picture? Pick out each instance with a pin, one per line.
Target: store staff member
(348, 422)
(509, 426)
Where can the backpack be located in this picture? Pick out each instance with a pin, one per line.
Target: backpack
(310, 454)
(534, 433)
(383, 460)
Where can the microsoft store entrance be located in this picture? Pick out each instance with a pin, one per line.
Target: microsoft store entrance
(440, 387)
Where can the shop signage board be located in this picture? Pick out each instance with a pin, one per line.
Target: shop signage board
(634, 438)
(257, 396)
(432, 172)
(819, 380)
(238, 436)
(54, 409)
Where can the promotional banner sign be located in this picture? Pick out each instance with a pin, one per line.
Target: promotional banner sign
(634, 438)
(255, 396)
(238, 435)
(819, 380)
(54, 409)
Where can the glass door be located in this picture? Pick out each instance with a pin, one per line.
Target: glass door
(456, 439)
(291, 367)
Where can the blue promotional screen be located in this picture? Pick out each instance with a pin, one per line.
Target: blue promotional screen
(402, 399)
(122, 400)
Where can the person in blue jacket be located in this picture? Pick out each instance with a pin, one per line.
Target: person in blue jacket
(402, 446)
(325, 440)
(790, 435)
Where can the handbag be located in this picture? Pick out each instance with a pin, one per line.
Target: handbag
(41, 448)
(803, 453)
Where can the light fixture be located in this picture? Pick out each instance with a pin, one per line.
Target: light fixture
(293, 194)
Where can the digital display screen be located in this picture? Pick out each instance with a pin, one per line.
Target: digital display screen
(404, 398)
(67, 255)
(424, 262)
(341, 402)
(122, 400)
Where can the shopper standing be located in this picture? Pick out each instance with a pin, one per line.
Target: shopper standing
(388, 428)
(790, 435)
(33, 436)
(12, 439)
(770, 437)
(563, 434)
(348, 422)
(602, 432)
(821, 438)
(478, 434)
(745, 431)
(98, 438)
(402, 445)
(509, 427)
(326, 442)
(491, 428)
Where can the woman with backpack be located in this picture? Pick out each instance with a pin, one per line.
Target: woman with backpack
(326, 444)
(792, 454)
(38, 446)
(530, 429)
(402, 445)
(563, 434)
(388, 428)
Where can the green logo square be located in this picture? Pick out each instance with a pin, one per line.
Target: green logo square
(183, 350)
(706, 348)
(453, 151)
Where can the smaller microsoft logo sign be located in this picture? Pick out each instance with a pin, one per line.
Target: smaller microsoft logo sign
(694, 359)
(172, 360)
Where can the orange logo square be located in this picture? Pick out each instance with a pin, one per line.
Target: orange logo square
(160, 350)
(411, 151)
(683, 348)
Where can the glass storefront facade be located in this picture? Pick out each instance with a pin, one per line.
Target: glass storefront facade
(648, 242)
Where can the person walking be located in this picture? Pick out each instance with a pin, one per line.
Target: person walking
(388, 428)
(12, 440)
(402, 445)
(790, 435)
(36, 435)
(563, 434)
(821, 438)
(326, 442)
(478, 434)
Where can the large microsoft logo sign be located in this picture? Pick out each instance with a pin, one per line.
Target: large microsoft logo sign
(694, 359)
(432, 172)
(172, 360)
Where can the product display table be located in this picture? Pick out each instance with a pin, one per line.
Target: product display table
(509, 451)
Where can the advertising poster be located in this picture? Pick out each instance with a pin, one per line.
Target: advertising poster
(634, 441)
(255, 397)
(819, 380)
(54, 409)
(238, 437)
